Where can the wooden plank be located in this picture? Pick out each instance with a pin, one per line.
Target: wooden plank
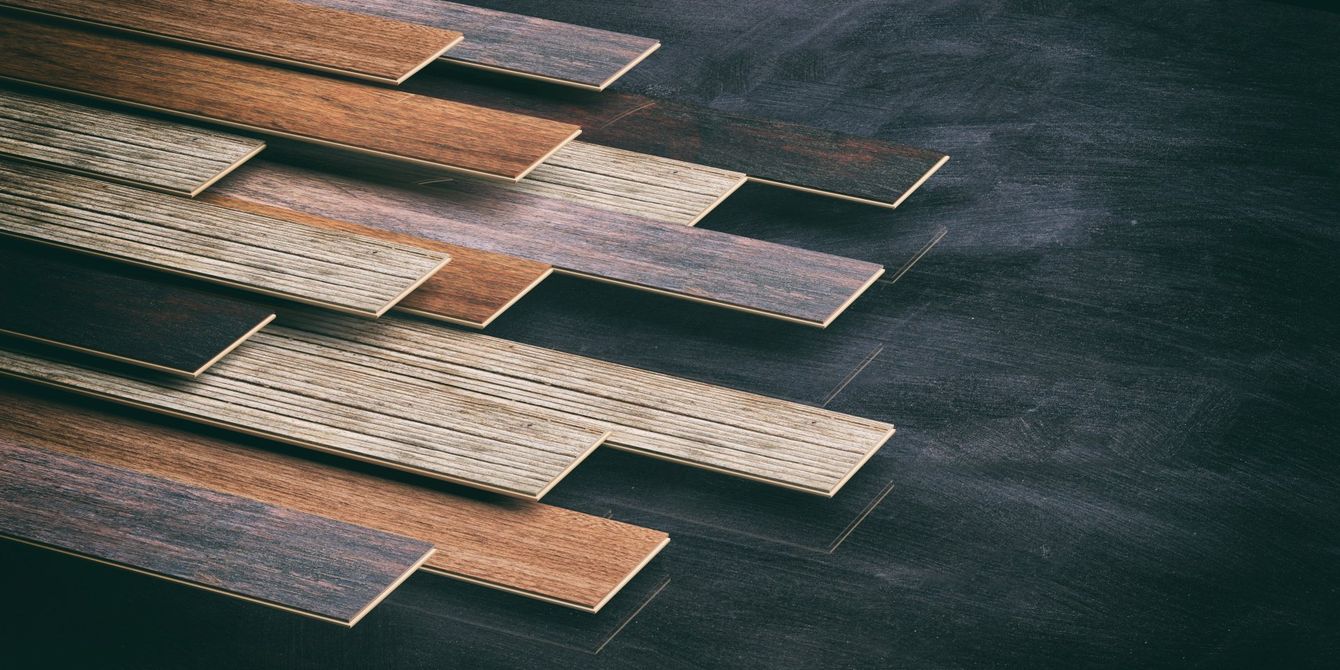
(332, 269)
(299, 34)
(150, 153)
(788, 155)
(277, 101)
(707, 266)
(529, 549)
(330, 402)
(293, 561)
(517, 45)
(98, 308)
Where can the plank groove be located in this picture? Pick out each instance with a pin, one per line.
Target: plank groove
(278, 101)
(293, 561)
(359, 275)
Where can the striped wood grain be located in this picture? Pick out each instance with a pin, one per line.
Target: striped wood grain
(336, 270)
(278, 101)
(135, 150)
(529, 549)
(299, 34)
(278, 557)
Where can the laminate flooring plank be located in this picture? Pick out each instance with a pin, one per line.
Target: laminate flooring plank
(332, 269)
(79, 303)
(707, 266)
(782, 154)
(345, 43)
(529, 549)
(276, 100)
(524, 46)
(290, 560)
(327, 400)
(145, 152)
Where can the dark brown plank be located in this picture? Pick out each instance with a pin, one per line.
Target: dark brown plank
(275, 100)
(274, 556)
(318, 38)
(81, 303)
(782, 154)
(518, 45)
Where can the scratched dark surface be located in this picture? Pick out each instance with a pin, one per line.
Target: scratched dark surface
(1114, 379)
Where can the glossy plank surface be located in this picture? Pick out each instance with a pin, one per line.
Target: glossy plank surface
(518, 45)
(136, 150)
(332, 269)
(533, 550)
(302, 563)
(275, 100)
(300, 34)
(80, 303)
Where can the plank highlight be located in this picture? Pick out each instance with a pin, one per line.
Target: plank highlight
(289, 560)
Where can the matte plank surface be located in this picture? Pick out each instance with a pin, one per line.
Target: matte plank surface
(529, 549)
(293, 33)
(332, 269)
(79, 303)
(524, 46)
(136, 150)
(299, 562)
(275, 100)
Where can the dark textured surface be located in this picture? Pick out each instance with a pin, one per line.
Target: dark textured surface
(74, 301)
(1114, 380)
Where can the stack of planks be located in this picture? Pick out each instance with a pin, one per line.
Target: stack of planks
(214, 362)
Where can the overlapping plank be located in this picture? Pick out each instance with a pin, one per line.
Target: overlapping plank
(332, 269)
(79, 303)
(530, 549)
(300, 34)
(278, 101)
(519, 45)
(135, 150)
(278, 557)
(707, 266)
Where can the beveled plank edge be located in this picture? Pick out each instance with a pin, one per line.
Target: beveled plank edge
(227, 170)
(558, 80)
(715, 203)
(485, 323)
(229, 349)
(547, 154)
(418, 565)
(853, 198)
(416, 284)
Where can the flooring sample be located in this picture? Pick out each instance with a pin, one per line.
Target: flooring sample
(75, 302)
(331, 269)
(278, 101)
(707, 266)
(529, 549)
(136, 150)
(330, 401)
(318, 38)
(297, 562)
(518, 45)
(789, 155)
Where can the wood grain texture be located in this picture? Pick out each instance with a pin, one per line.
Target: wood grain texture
(529, 549)
(518, 45)
(783, 154)
(135, 150)
(300, 34)
(278, 101)
(706, 266)
(79, 303)
(294, 561)
(329, 400)
(332, 269)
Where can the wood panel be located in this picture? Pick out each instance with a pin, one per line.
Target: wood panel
(524, 46)
(145, 152)
(290, 560)
(707, 266)
(329, 401)
(299, 34)
(782, 154)
(79, 303)
(529, 549)
(278, 101)
(332, 269)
